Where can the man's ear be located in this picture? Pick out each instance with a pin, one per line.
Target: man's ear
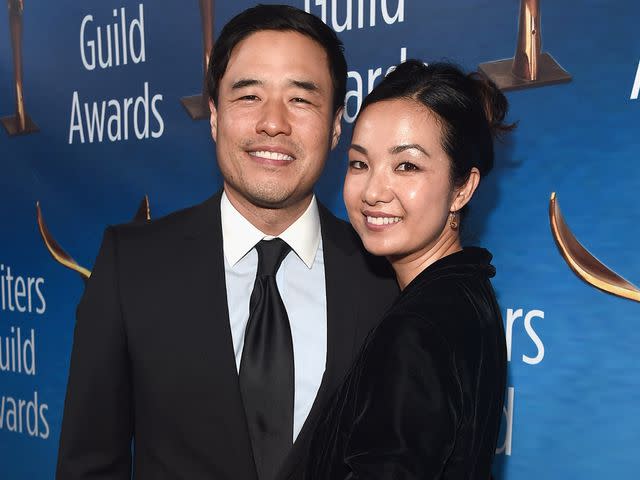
(336, 129)
(462, 195)
(213, 120)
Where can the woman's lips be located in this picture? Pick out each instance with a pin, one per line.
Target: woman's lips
(378, 221)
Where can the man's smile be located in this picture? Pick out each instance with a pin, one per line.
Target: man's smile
(271, 155)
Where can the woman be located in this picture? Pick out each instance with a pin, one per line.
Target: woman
(424, 398)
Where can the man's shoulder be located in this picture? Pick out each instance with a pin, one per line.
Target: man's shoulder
(339, 231)
(180, 223)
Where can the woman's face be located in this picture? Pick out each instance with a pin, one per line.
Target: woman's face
(398, 190)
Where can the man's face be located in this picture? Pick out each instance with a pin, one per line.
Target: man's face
(274, 124)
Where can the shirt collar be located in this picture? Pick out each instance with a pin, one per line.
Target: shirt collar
(239, 236)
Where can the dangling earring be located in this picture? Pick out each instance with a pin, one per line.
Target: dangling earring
(453, 220)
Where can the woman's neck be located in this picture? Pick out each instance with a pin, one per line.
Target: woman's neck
(408, 267)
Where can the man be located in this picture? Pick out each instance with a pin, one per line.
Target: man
(187, 356)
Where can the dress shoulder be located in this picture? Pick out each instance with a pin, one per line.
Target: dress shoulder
(462, 309)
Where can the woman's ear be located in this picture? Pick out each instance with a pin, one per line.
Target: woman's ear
(463, 194)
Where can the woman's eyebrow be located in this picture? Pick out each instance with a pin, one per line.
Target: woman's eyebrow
(401, 148)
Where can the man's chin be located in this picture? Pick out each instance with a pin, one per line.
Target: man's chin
(268, 198)
(271, 203)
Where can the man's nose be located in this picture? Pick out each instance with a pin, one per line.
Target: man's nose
(377, 189)
(274, 119)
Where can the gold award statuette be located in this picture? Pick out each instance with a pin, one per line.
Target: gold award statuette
(20, 123)
(529, 67)
(586, 266)
(197, 106)
(61, 256)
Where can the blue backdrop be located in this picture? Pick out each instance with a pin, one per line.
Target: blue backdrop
(573, 405)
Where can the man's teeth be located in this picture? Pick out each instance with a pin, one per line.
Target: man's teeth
(271, 155)
(383, 220)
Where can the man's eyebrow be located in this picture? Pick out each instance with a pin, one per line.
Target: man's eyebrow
(245, 82)
(358, 148)
(305, 85)
(401, 148)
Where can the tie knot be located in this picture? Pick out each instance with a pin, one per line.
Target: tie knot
(271, 253)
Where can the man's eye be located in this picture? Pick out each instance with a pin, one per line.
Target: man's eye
(357, 165)
(249, 97)
(300, 100)
(407, 167)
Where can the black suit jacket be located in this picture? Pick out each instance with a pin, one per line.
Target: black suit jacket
(153, 359)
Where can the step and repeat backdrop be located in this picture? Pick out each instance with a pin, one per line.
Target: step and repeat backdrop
(101, 105)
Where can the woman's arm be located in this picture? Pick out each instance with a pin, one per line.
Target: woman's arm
(408, 405)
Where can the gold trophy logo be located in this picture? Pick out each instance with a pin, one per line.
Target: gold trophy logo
(61, 256)
(584, 265)
(20, 123)
(530, 67)
(197, 106)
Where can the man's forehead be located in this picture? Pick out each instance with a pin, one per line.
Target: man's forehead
(287, 36)
(287, 49)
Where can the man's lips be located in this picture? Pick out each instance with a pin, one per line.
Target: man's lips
(271, 154)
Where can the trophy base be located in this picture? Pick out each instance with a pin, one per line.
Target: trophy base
(12, 125)
(549, 72)
(196, 106)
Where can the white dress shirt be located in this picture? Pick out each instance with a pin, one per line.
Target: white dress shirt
(301, 283)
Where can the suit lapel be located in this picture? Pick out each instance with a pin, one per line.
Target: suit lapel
(209, 296)
(341, 310)
(341, 328)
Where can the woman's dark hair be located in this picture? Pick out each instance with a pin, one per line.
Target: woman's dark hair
(469, 107)
(278, 18)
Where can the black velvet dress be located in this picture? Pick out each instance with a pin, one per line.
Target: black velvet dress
(424, 397)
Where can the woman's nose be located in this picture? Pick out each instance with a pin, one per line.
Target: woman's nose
(377, 189)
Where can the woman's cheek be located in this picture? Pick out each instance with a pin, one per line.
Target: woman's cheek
(352, 192)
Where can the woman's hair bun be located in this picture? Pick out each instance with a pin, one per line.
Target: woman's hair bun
(493, 102)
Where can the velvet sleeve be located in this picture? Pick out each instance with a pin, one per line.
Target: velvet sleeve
(408, 404)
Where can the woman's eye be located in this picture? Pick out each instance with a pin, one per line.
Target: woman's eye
(407, 167)
(357, 165)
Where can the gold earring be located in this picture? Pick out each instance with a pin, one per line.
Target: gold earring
(453, 220)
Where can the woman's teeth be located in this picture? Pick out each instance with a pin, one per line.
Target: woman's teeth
(383, 220)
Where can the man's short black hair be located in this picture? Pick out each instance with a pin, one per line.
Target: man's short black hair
(279, 18)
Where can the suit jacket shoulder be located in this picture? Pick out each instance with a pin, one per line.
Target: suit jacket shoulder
(184, 223)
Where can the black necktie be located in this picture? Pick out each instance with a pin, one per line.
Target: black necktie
(266, 367)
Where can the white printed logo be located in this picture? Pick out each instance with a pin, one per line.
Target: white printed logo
(512, 316)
